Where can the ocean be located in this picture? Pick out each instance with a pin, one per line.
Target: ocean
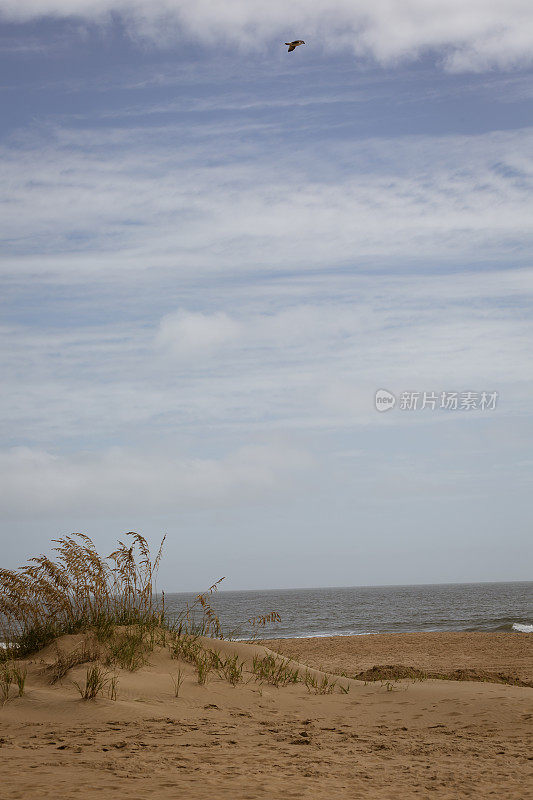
(354, 610)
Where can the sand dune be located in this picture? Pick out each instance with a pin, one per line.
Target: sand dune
(406, 739)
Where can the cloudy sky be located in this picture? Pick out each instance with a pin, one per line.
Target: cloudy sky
(215, 253)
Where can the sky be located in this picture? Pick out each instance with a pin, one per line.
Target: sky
(216, 252)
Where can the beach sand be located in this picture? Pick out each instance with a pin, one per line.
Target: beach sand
(397, 740)
(484, 654)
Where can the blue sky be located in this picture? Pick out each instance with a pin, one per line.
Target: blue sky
(214, 254)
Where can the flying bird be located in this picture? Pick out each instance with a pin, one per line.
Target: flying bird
(293, 45)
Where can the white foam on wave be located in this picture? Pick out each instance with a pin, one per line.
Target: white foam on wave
(305, 635)
(517, 626)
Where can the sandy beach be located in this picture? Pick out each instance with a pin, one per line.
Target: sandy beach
(382, 739)
(485, 656)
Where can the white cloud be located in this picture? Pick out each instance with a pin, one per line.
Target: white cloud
(300, 355)
(83, 206)
(118, 481)
(191, 334)
(470, 35)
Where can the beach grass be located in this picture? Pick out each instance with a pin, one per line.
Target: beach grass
(113, 604)
(113, 598)
(96, 681)
(274, 670)
(79, 591)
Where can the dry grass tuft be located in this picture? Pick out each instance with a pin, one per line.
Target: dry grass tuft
(96, 681)
(204, 664)
(78, 591)
(129, 649)
(325, 686)
(12, 673)
(177, 680)
(66, 661)
(275, 671)
(186, 646)
(263, 620)
(231, 669)
(19, 674)
(5, 683)
(200, 618)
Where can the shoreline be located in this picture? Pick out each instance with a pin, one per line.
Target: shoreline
(521, 628)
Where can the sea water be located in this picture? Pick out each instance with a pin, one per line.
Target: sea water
(349, 611)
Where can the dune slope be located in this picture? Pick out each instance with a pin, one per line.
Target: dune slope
(398, 740)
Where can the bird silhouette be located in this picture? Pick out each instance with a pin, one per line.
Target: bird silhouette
(293, 45)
